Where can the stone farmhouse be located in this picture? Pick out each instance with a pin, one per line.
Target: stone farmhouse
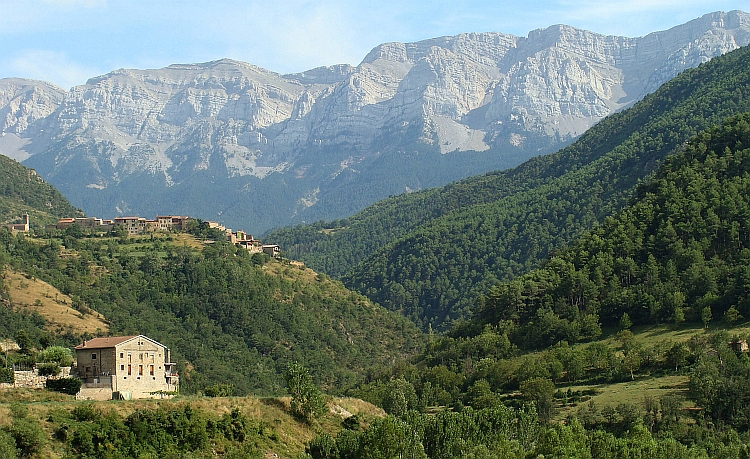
(124, 367)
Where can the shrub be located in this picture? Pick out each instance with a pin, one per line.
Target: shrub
(7, 375)
(48, 369)
(219, 390)
(69, 386)
(7, 445)
(28, 435)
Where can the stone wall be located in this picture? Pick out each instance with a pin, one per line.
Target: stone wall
(32, 380)
(94, 393)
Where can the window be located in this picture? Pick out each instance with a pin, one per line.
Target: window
(151, 370)
(122, 367)
(128, 370)
(122, 355)
(93, 356)
(140, 370)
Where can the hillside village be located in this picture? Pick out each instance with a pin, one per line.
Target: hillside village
(135, 225)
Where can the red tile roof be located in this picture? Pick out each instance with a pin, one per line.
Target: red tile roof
(103, 343)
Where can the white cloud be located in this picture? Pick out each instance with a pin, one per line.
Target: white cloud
(53, 67)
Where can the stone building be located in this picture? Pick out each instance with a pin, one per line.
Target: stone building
(127, 366)
(22, 227)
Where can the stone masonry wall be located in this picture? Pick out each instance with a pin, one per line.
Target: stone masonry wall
(32, 380)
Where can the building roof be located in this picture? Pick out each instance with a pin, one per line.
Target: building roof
(112, 341)
(101, 343)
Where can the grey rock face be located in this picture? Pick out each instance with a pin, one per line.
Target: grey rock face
(511, 95)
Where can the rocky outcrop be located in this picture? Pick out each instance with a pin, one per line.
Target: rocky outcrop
(320, 129)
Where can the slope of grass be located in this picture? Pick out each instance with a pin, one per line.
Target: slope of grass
(33, 295)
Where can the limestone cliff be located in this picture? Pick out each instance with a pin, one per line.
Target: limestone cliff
(309, 138)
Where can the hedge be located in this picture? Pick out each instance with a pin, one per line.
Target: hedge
(69, 386)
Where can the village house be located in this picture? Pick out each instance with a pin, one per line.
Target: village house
(132, 225)
(124, 367)
(272, 250)
(739, 345)
(163, 223)
(22, 227)
(172, 222)
(84, 222)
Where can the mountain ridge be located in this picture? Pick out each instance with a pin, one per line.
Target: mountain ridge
(431, 254)
(436, 110)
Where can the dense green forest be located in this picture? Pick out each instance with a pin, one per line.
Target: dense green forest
(22, 190)
(431, 254)
(678, 253)
(683, 247)
(229, 317)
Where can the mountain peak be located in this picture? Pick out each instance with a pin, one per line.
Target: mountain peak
(312, 136)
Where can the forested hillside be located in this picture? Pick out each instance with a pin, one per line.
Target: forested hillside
(22, 190)
(680, 252)
(431, 254)
(229, 317)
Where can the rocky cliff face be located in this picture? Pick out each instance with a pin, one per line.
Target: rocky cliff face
(210, 137)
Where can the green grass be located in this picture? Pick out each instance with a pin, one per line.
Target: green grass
(646, 385)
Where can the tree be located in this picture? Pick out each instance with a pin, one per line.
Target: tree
(400, 397)
(706, 316)
(480, 395)
(625, 322)
(391, 438)
(631, 363)
(24, 342)
(57, 354)
(732, 316)
(541, 392)
(677, 355)
(679, 316)
(307, 401)
(670, 407)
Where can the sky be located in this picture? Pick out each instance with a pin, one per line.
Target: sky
(66, 42)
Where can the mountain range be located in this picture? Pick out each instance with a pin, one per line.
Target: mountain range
(233, 142)
(432, 254)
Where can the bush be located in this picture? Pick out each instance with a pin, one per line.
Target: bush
(7, 445)
(7, 375)
(48, 369)
(28, 435)
(219, 390)
(69, 386)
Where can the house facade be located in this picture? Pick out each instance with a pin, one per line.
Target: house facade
(132, 366)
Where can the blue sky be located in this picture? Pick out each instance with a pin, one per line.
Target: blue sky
(68, 41)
